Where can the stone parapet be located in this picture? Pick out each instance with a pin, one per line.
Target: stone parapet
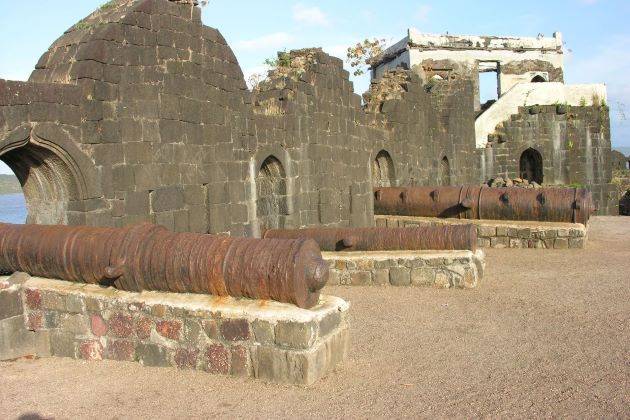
(505, 233)
(442, 269)
(259, 339)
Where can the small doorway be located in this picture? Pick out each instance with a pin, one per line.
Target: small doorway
(531, 166)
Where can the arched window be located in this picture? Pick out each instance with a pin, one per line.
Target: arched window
(48, 183)
(383, 174)
(271, 188)
(538, 79)
(445, 172)
(531, 166)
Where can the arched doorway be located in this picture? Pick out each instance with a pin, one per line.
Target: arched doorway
(383, 174)
(531, 166)
(445, 171)
(538, 79)
(48, 183)
(271, 197)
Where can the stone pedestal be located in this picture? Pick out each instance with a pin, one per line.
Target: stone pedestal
(442, 269)
(259, 339)
(505, 233)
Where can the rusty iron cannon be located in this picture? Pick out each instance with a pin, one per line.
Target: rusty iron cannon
(572, 205)
(150, 257)
(460, 237)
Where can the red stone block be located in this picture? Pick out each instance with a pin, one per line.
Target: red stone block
(34, 321)
(186, 358)
(235, 329)
(91, 350)
(122, 350)
(240, 361)
(143, 328)
(33, 298)
(99, 326)
(169, 329)
(218, 359)
(121, 325)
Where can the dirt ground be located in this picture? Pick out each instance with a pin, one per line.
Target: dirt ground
(547, 334)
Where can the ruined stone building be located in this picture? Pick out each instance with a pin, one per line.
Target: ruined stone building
(141, 113)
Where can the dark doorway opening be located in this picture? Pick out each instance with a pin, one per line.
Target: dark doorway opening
(531, 166)
(445, 172)
(538, 79)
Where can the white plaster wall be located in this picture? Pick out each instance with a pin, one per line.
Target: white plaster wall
(508, 81)
(492, 42)
(403, 57)
(527, 94)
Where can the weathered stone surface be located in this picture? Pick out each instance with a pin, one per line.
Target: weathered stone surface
(152, 355)
(169, 329)
(399, 276)
(235, 329)
(16, 341)
(295, 334)
(217, 358)
(209, 338)
(120, 325)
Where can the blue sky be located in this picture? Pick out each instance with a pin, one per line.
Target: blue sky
(596, 32)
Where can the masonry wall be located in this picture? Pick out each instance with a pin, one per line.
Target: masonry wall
(574, 143)
(141, 113)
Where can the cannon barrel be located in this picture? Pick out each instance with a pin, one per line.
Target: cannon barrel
(572, 205)
(150, 257)
(459, 237)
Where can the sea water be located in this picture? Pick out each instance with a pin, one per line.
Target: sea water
(12, 208)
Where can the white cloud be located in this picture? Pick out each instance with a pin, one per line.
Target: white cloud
(310, 15)
(270, 41)
(422, 13)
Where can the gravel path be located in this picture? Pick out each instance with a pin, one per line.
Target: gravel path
(546, 334)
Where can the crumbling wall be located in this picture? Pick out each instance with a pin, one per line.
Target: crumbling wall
(145, 113)
(574, 143)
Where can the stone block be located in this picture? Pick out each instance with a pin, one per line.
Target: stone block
(240, 361)
(235, 329)
(16, 341)
(33, 299)
(576, 243)
(423, 277)
(186, 358)
(120, 325)
(75, 324)
(263, 332)
(294, 335)
(149, 354)
(399, 276)
(91, 350)
(143, 327)
(122, 350)
(380, 277)
(329, 324)
(169, 329)
(168, 198)
(360, 278)
(98, 325)
(217, 359)
(62, 344)
(10, 303)
(487, 231)
(561, 243)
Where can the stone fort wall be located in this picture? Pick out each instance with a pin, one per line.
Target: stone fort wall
(141, 113)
